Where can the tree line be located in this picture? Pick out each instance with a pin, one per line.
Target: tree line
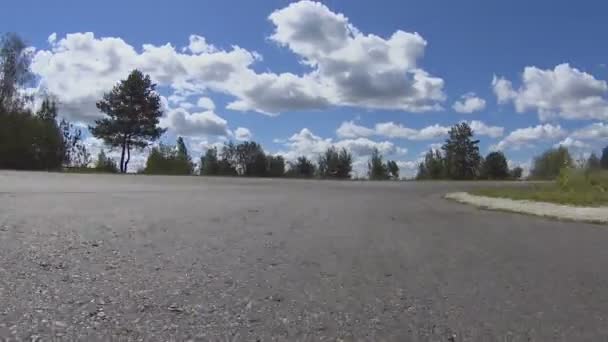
(249, 159)
(35, 139)
(32, 138)
(553, 161)
(459, 159)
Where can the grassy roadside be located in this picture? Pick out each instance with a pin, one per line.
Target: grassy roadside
(573, 187)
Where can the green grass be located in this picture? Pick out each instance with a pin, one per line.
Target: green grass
(573, 187)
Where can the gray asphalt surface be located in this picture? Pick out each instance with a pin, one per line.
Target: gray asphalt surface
(100, 257)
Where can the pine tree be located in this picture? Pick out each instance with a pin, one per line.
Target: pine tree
(48, 110)
(276, 166)
(462, 159)
(302, 168)
(335, 164)
(393, 169)
(133, 111)
(549, 164)
(377, 170)
(209, 163)
(15, 60)
(228, 160)
(75, 153)
(604, 158)
(183, 160)
(105, 163)
(516, 172)
(434, 165)
(169, 160)
(422, 172)
(495, 166)
(251, 159)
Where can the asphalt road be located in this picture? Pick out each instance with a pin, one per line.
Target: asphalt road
(99, 257)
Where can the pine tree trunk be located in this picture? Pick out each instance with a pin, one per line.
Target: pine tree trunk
(122, 156)
(128, 157)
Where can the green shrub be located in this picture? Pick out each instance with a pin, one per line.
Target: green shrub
(549, 164)
(573, 186)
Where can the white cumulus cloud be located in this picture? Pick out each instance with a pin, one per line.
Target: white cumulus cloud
(205, 103)
(242, 134)
(595, 131)
(354, 68)
(481, 128)
(52, 38)
(346, 68)
(469, 103)
(571, 143)
(207, 123)
(136, 162)
(393, 130)
(350, 129)
(198, 44)
(564, 92)
(305, 143)
(80, 67)
(364, 146)
(530, 135)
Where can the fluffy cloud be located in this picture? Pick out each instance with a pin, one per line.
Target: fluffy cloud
(242, 134)
(205, 103)
(528, 136)
(272, 94)
(481, 128)
(354, 68)
(349, 129)
(401, 150)
(564, 91)
(200, 146)
(503, 89)
(364, 146)
(347, 68)
(392, 130)
(186, 105)
(571, 143)
(305, 143)
(435, 146)
(176, 98)
(79, 68)
(136, 162)
(199, 45)
(408, 168)
(182, 122)
(52, 38)
(469, 103)
(595, 131)
(410, 165)
(94, 146)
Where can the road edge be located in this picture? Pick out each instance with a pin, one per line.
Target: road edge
(597, 215)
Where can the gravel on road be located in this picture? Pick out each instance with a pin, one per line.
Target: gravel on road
(133, 258)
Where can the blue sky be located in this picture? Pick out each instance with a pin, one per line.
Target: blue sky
(537, 69)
